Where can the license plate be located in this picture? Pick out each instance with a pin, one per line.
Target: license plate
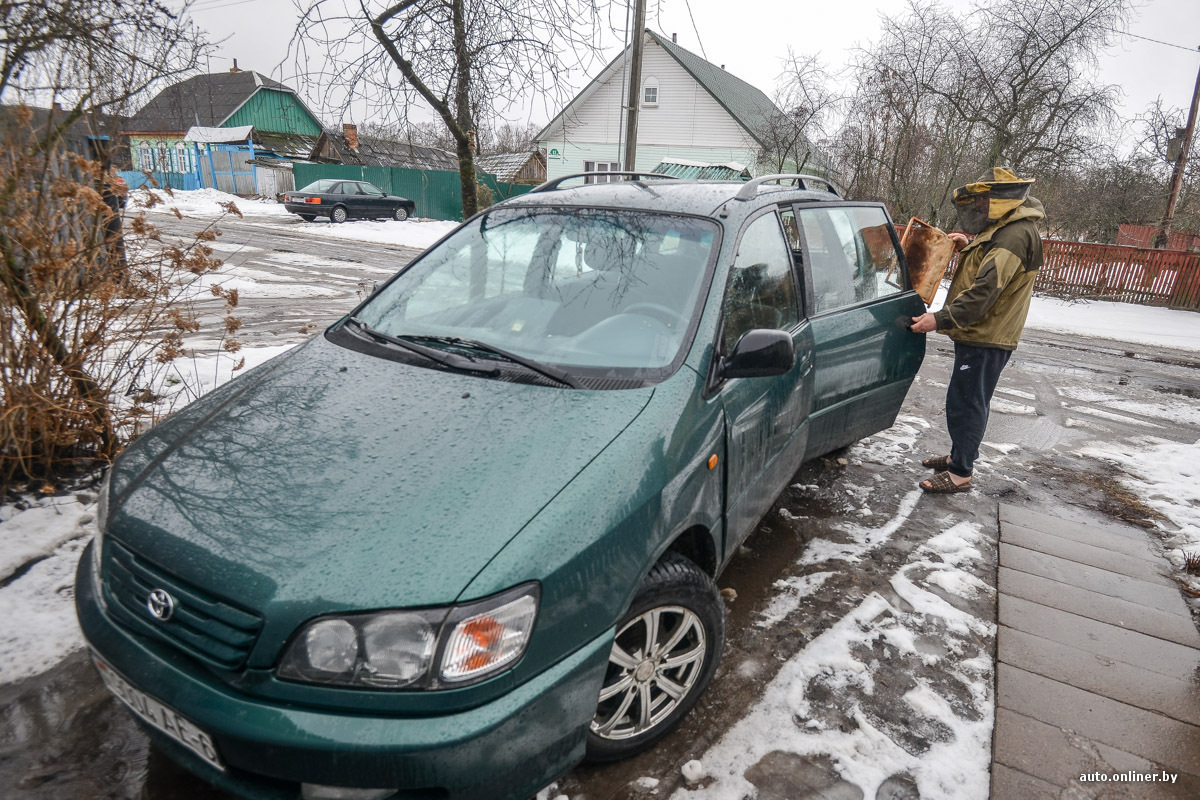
(160, 716)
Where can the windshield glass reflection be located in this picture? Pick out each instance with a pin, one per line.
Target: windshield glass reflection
(579, 287)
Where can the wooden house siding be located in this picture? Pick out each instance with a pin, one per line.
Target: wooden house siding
(686, 114)
(275, 111)
(573, 155)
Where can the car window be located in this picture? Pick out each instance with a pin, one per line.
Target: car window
(370, 188)
(350, 187)
(324, 185)
(595, 288)
(761, 292)
(852, 257)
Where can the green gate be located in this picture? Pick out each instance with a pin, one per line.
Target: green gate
(437, 193)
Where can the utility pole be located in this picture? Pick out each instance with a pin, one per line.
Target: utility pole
(635, 86)
(1164, 231)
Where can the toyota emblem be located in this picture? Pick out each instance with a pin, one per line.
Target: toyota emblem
(161, 605)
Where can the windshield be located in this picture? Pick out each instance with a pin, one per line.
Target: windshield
(588, 288)
(324, 185)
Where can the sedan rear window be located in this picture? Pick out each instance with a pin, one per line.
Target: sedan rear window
(324, 185)
(586, 288)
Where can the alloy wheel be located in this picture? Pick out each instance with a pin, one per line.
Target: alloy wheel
(654, 664)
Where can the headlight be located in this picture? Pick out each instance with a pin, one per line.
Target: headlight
(101, 519)
(400, 649)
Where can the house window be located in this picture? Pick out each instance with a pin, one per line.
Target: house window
(145, 159)
(164, 158)
(650, 92)
(600, 166)
(181, 158)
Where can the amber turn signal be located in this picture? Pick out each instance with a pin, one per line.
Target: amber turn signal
(712, 461)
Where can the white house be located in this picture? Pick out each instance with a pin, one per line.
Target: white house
(691, 111)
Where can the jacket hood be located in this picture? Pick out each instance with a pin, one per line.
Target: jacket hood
(1032, 209)
(332, 479)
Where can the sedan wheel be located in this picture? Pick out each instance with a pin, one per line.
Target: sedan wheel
(338, 214)
(662, 659)
(400, 214)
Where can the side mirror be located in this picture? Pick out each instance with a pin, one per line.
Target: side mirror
(760, 353)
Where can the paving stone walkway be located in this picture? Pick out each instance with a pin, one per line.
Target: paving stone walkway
(1097, 666)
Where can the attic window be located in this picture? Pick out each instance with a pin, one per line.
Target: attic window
(650, 92)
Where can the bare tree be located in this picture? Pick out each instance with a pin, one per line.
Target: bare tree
(805, 102)
(941, 97)
(459, 58)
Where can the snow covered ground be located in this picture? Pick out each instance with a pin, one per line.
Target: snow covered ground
(207, 204)
(1118, 322)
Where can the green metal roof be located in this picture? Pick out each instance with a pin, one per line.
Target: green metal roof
(692, 170)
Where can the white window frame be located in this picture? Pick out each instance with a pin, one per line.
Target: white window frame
(181, 157)
(600, 166)
(650, 85)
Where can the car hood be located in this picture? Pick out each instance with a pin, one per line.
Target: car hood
(330, 480)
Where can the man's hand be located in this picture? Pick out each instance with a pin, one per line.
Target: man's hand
(960, 240)
(926, 323)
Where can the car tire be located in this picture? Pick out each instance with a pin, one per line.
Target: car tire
(400, 214)
(677, 616)
(308, 217)
(338, 214)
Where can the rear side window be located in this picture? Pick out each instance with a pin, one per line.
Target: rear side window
(851, 256)
(761, 292)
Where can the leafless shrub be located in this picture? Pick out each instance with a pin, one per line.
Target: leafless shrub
(88, 318)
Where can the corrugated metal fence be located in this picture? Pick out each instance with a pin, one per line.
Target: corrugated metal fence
(1115, 272)
(437, 193)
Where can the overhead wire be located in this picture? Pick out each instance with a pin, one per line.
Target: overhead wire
(1156, 41)
(688, 3)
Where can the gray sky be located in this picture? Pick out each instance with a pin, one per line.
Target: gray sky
(739, 35)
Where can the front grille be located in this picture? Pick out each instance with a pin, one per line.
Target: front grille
(202, 625)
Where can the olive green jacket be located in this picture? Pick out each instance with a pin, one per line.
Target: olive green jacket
(989, 296)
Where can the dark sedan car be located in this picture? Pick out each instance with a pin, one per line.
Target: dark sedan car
(340, 199)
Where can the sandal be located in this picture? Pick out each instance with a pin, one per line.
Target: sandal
(942, 483)
(937, 463)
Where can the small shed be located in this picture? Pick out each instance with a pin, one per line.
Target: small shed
(523, 167)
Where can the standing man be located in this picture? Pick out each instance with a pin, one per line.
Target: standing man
(984, 312)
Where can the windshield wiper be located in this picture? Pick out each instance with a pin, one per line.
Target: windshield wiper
(553, 373)
(451, 360)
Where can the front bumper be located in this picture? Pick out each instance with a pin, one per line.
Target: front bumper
(508, 748)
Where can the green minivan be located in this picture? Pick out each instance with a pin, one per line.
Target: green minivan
(469, 536)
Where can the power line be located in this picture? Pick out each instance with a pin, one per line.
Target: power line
(1156, 41)
(694, 28)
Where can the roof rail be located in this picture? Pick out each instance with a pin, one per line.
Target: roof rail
(553, 184)
(750, 189)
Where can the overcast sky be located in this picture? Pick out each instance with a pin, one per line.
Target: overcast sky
(748, 37)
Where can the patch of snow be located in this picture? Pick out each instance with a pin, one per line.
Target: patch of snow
(862, 539)
(1017, 393)
(1004, 448)
(693, 771)
(892, 447)
(39, 531)
(1102, 414)
(1165, 476)
(1122, 322)
(1005, 407)
(205, 203)
(415, 233)
(197, 375)
(38, 609)
(791, 592)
